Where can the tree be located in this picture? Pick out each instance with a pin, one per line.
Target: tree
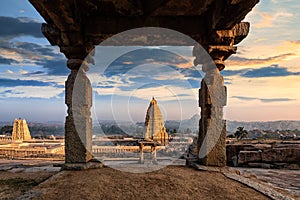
(241, 133)
(6, 129)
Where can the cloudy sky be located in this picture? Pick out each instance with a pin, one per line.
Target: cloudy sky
(263, 79)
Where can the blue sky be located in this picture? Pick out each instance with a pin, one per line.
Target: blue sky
(263, 78)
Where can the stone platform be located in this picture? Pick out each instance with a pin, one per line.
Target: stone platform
(43, 179)
(173, 182)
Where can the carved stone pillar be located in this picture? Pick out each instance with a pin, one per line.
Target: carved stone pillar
(78, 126)
(210, 149)
(212, 127)
(212, 98)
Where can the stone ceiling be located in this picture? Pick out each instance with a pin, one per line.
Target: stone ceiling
(74, 23)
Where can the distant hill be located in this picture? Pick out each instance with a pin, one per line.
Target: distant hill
(270, 125)
(5, 123)
(193, 124)
(124, 127)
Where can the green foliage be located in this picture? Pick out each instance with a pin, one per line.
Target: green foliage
(6, 129)
(241, 133)
(46, 130)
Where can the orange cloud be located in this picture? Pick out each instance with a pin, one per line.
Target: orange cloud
(241, 61)
(269, 20)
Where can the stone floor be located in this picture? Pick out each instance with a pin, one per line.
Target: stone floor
(39, 179)
(172, 182)
(30, 165)
(19, 176)
(286, 181)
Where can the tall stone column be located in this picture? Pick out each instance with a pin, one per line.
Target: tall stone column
(78, 126)
(212, 94)
(212, 127)
(212, 98)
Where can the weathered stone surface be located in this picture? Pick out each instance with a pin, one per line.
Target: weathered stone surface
(290, 155)
(235, 175)
(263, 155)
(271, 193)
(245, 157)
(212, 133)
(78, 126)
(212, 99)
(172, 182)
(232, 152)
(100, 19)
(285, 181)
(192, 152)
(82, 166)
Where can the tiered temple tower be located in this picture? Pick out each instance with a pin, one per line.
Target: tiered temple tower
(154, 124)
(20, 130)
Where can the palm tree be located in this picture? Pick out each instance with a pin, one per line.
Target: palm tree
(241, 133)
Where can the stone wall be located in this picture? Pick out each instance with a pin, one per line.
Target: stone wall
(263, 155)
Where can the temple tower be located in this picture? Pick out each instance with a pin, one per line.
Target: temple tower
(154, 124)
(20, 130)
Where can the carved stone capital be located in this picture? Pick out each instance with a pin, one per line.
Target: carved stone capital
(214, 57)
(220, 53)
(76, 64)
(220, 46)
(78, 52)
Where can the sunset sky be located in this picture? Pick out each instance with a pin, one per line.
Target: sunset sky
(263, 78)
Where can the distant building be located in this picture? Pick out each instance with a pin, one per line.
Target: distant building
(154, 124)
(20, 130)
(20, 145)
(33, 149)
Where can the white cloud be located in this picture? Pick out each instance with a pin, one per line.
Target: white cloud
(23, 72)
(30, 92)
(10, 72)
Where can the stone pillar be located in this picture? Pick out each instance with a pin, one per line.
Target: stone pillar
(212, 127)
(211, 147)
(141, 153)
(78, 126)
(212, 98)
(153, 152)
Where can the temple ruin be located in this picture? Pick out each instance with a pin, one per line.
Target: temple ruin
(20, 130)
(154, 125)
(77, 26)
(21, 145)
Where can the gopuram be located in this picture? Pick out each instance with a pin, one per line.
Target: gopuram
(154, 125)
(77, 26)
(20, 130)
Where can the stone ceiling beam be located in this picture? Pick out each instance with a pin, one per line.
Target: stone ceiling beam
(113, 25)
(234, 13)
(149, 6)
(81, 19)
(60, 13)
